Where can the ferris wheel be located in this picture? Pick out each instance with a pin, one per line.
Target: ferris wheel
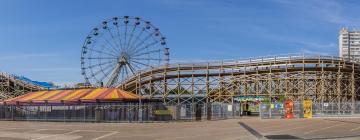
(118, 48)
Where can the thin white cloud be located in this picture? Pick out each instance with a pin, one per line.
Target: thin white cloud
(305, 42)
(54, 69)
(307, 51)
(318, 45)
(326, 10)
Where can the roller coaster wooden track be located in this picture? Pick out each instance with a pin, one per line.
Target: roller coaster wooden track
(297, 77)
(11, 87)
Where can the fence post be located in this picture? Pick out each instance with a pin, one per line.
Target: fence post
(209, 111)
(270, 109)
(260, 111)
(12, 112)
(140, 116)
(84, 117)
(46, 110)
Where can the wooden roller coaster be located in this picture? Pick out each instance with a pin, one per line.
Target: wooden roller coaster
(11, 87)
(296, 77)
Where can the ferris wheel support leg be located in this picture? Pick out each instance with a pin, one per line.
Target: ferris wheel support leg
(114, 75)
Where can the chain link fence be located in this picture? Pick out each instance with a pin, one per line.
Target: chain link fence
(130, 112)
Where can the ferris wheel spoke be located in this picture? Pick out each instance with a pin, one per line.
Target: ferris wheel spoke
(132, 70)
(107, 74)
(102, 69)
(119, 37)
(99, 64)
(148, 52)
(126, 28)
(131, 36)
(137, 37)
(141, 63)
(111, 45)
(102, 52)
(104, 46)
(100, 58)
(94, 74)
(144, 40)
(138, 67)
(113, 38)
(155, 59)
(145, 47)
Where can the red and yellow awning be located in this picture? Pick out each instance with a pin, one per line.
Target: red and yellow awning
(80, 95)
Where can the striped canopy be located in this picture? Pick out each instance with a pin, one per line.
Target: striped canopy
(80, 95)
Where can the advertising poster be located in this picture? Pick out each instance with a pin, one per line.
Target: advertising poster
(307, 108)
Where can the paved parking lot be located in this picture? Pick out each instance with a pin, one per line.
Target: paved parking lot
(233, 129)
(325, 128)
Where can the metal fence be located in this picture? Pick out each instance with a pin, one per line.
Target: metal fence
(119, 112)
(345, 109)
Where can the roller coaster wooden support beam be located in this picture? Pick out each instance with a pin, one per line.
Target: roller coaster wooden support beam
(11, 87)
(320, 78)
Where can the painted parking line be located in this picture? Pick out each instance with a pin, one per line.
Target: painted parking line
(300, 125)
(354, 129)
(200, 136)
(284, 130)
(324, 128)
(37, 130)
(9, 128)
(106, 135)
(57, 135)
(84, 130)
(285, 124)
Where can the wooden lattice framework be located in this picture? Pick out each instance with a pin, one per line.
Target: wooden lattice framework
(297, 77)
(11, 87)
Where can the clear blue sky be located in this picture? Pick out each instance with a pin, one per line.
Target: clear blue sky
(42, 39)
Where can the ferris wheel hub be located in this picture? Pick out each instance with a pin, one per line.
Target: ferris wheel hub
(123, 60)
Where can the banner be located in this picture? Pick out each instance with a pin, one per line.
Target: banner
(307, 108)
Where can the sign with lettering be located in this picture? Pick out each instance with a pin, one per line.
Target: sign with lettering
(162, 112)
(249, 98)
